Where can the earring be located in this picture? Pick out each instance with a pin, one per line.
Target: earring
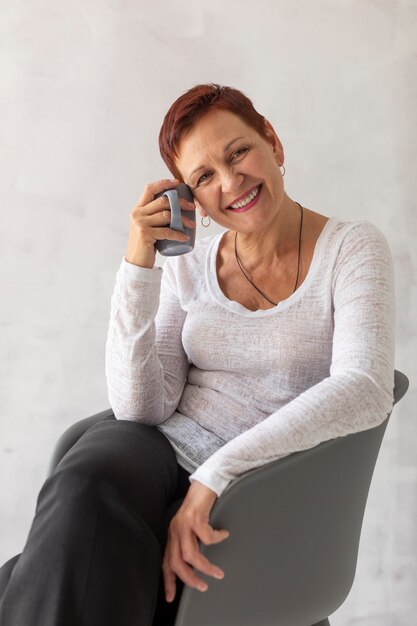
(282, 173)
(208, 223)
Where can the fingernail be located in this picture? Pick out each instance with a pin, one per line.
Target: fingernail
(202, 587)
(219, 575)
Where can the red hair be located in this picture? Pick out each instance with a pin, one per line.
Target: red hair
(185, 112)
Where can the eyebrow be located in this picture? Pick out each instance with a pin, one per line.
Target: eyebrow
(226, 148)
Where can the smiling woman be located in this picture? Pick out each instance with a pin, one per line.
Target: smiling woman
(264, 340)
(231, 162)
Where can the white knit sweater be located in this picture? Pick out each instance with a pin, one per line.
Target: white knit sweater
(233, 389)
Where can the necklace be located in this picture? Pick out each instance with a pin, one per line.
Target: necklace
(239, 262)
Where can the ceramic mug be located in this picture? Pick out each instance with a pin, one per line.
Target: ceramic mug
(168, 247)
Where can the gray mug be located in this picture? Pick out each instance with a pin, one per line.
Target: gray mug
(168, 247)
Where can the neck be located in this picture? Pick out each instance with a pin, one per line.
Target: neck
(272, 243)
(239, 262)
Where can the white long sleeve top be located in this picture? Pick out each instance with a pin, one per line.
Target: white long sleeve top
(233, 389)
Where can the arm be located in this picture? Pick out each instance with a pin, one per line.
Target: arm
(146, 366)
(357, 394)
(146, 374)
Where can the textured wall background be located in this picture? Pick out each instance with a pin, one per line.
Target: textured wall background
(84, 88)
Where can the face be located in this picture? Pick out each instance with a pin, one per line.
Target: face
(233, 171)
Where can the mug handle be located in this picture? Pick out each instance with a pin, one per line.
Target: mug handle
(174, 205)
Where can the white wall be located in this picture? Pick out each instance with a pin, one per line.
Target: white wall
(84, 88)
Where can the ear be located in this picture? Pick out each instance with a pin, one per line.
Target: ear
(199, 208)
(273, 139)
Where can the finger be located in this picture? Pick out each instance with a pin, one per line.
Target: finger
(151, 189)
(162, 202)
(163, 218)
(169, 233)
(170, 584)
(208, 535)
(191, 554)
(188, 222)
(183, 570)
(188, 576)
(187, 205)
(154, 206)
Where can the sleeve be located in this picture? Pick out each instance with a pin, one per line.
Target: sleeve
(357, 395)
(145, 366)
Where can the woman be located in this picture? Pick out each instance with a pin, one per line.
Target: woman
(267, 339)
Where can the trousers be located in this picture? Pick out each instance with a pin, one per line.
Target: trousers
(94, 551)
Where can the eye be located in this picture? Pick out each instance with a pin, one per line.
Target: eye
(238, 153)
(203, 178)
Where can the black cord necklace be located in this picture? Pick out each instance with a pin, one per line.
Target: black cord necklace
(239, 262)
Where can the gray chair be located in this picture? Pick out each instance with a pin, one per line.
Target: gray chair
(294, 527)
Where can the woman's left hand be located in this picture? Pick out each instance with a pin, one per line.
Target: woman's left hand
(190, 524)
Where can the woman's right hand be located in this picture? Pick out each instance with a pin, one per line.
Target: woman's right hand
(149, 222)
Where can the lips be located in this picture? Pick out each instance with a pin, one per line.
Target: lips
(246, 201)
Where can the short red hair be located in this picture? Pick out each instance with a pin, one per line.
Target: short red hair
(185, 112)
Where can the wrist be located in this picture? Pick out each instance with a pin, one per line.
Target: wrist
(199, 491)
(139, 262)
(140, 253)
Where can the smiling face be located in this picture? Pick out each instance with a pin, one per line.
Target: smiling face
(233, 171)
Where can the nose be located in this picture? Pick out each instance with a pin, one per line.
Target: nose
(230, 180)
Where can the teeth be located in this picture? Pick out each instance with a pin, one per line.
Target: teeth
(242, 203)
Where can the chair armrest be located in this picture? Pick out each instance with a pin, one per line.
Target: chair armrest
(294, 527)
(292, 524)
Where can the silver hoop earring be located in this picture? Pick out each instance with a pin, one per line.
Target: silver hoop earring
(283, 167)
(208, 223)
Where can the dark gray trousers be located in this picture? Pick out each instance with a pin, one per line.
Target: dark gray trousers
(94, 551)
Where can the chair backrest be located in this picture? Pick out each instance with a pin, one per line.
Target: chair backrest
(294, 528)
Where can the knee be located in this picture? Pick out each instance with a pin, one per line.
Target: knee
(119, 455)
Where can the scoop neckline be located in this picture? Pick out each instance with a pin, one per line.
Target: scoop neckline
(236, 307)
